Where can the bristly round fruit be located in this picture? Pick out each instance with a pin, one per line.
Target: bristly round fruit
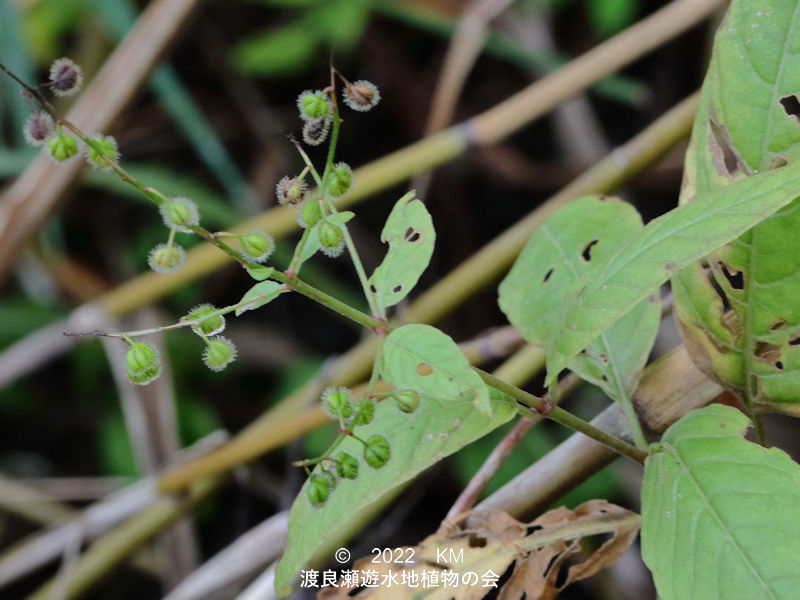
(336, 402)
(38, 128)
(180, 214)
(346, 466)
(309, 214)
(66, 78)
(341, 179)
(377, 451)
(331, 238)
(365, 412)
(142, 363)
(166, 258)
(314, 105)
(62, 147)
(219, 353)
(102, 152)
(257, 246)
(209, 326)
(361, 95)
(407, 400)
(290, 191)
(319, 488)
(316, 132)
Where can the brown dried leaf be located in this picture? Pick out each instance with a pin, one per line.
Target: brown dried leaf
(474, 549)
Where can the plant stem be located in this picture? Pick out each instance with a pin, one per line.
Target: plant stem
(376, 367)
(332, 303)
(376, 311)
(561, 416)
(294, 264)
(313, 461)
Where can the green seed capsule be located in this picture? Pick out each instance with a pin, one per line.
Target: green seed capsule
(346, 465)
(377, 451)
(166, 258)
(337, 402)
(365, 412)
(257, 246)
(219, 353)
(180, 214)
(310, 214)
(141, 356)
(331, 238)
(102, 152)
(142, 363)
(313, 105)
(63, 147)
(319, 488)
(341, 179)
(212, 326)
(407, 400)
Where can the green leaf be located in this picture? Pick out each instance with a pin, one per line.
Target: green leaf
(567, 247)
(312, 244)
(275, 52)
(259, 272)
(748, 123)
(439, 427)
(664, 247)
(423, 358)
(410, 235)
(259, 295)
(720, 515)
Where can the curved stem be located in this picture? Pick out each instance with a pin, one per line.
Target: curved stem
(559, 415)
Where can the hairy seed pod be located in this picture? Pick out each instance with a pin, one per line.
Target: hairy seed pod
(315, 132)
(257, 246)
(38, 128)
(219, 353)
(365, 412)
(102, 152)
(63, 147)
(377, 451)
(336, 402)
(346, 465)
(407, 400)
(319, 488)
(208, 326)
(142, 363)
(290, 191)
(314, 105)
(180, 214)
(66, 78)
(166, 258)
(331, 238)
(361, 95)
(309, 214)
(341, 179)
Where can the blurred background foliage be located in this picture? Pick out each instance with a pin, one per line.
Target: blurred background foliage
(212, 126)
